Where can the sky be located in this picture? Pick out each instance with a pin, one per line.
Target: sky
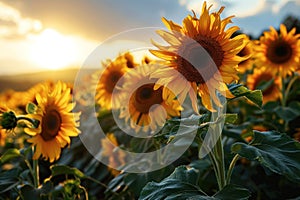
(37, 35)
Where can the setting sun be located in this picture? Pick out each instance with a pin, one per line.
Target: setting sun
(52, 50)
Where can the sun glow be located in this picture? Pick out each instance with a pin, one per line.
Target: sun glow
(52, 50)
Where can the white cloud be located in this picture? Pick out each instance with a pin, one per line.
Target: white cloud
(12, 24)
(272, 14)
(252, 17)
(196, 5)
(27, 49)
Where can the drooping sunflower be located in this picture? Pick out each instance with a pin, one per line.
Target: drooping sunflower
(57, 123)
(111, 74)
(267, 82)
(8, 119)
(115, 158)
(143, 106)
(203, 53)
(278, 52)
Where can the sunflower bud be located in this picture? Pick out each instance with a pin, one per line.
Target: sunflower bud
(8, 120)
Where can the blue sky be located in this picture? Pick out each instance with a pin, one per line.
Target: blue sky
(37, 35)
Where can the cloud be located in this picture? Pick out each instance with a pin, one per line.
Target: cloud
(196, 5)
(272, 14)
(99, 19)
(252, 17)
(13, 25)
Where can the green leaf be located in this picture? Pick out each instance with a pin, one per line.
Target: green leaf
(295, 106)
(231, 118)
(254, 96)
(9, 179)
(9, 154)
(31, 108)
(29, 192)
(286, 113)
(181, 184)
(63, 169)
(276, 151)
(233, 192)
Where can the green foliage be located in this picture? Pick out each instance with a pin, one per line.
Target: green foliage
(183, 184)
(66, 170)
(254, 96)
(9, 179)
(8, 155)
(275, 151)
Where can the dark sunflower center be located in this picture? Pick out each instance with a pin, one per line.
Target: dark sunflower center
(199, 60)
(51, 124)
(279, 51)
(145, 97)
(112, 80)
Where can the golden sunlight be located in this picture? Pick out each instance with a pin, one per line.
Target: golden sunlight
(52, 50)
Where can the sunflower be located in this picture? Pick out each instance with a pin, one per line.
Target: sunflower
(13, 100)
(109, 77)
(57, 122)
(29, 95)
(278, 53)
(246, 51)
(115, 158)
(143, 105)
(267, 82)
(212, 51)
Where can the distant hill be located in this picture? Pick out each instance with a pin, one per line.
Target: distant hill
(22, 82)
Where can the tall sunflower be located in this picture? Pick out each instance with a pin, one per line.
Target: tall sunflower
(145, 107)
(278, 53)
(57, 122)
(267, 82)
(109, 77)
(213, 53)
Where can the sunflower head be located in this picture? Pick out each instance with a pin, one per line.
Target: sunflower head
(204, 53)
(57, 122)
(278, 52)
(144, 106)
(269, 84)
(109, 77)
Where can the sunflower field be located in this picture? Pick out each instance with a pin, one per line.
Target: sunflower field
(209, 113)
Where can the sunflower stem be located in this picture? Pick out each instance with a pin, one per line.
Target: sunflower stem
(230, 169)
(219, 153)
(212, 157)
(35, 166)
(285, 94)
